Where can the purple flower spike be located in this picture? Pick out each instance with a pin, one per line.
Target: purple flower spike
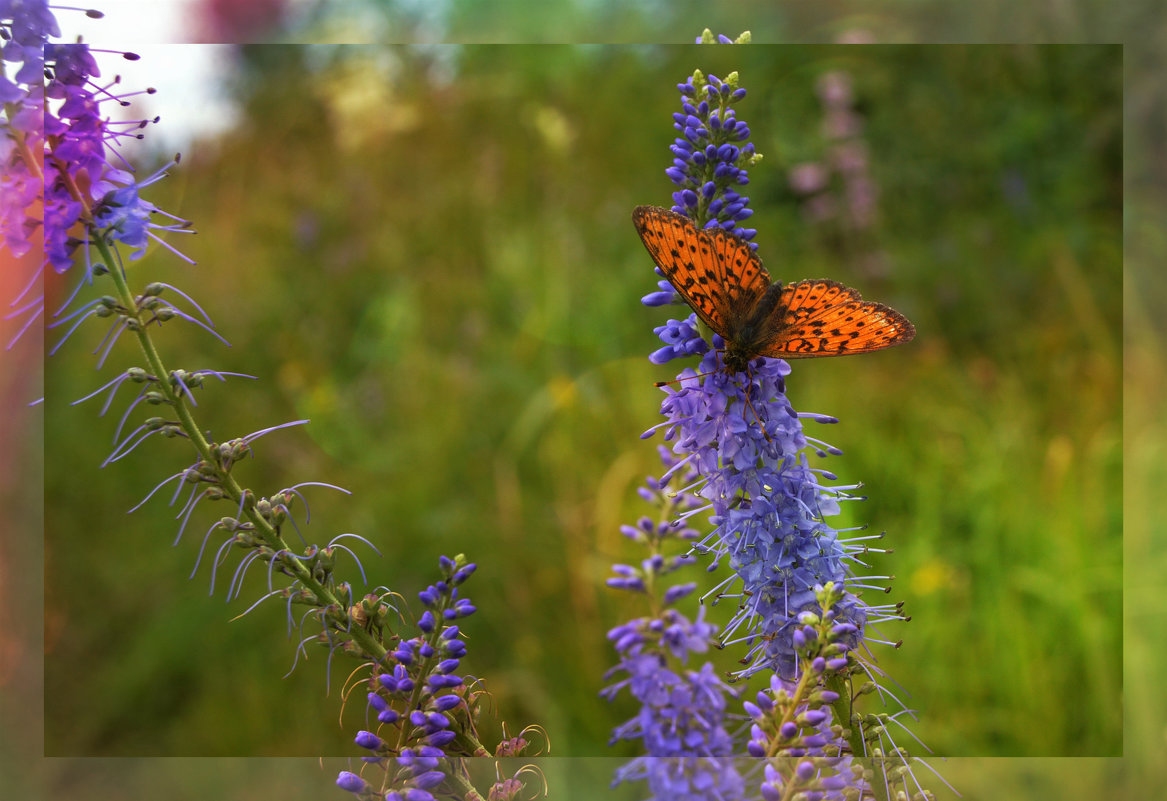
(711, 154)
(737, 448)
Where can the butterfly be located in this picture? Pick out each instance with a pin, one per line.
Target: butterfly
(724, 282)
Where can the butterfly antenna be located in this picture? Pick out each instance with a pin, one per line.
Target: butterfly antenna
(659, 384)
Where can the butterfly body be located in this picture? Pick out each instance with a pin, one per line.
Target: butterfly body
(748, 326)
(721, 278)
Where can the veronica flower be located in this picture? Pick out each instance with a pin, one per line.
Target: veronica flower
(651, 647)
(85, 176)
(768, 504)
(740, 452)
(25, 27)
(712, 154)
(63, 177)
(425, 710)
(744, 441)
(682, 721)
(417, 697)
(683, 710)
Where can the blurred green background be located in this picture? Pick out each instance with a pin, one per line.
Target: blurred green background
(427, 251)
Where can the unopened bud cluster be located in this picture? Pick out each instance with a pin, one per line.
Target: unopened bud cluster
(423, 708)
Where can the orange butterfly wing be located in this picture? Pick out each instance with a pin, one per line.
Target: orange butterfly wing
(723, 281)
(826, 318)
(715, 272)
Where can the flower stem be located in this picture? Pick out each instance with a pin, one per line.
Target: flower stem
(842, 708)
(229, 485)
(26, 155)
(462, 786)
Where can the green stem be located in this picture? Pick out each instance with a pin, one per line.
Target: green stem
(231, 487)
(843, 707)
(800, 691)
(228, 483)
(462, 785)
(30, 161)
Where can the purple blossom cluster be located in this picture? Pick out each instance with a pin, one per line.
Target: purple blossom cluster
(737, 431)
(417, 695)
(739, 453)
(711, 158)
(682, 710)
(711, 155)
(424, 707)
(687, 778)
(747, 444)
(82, 183)
(793, 724)
(420, 702)
(651, 647)
(59, 181)
(25, 26)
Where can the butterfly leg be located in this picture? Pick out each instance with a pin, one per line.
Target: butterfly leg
(746, 392)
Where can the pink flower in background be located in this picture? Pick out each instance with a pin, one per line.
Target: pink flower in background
(839, 184)
(850, 158)
(808, 178)
(236, 21)
(834, 89)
